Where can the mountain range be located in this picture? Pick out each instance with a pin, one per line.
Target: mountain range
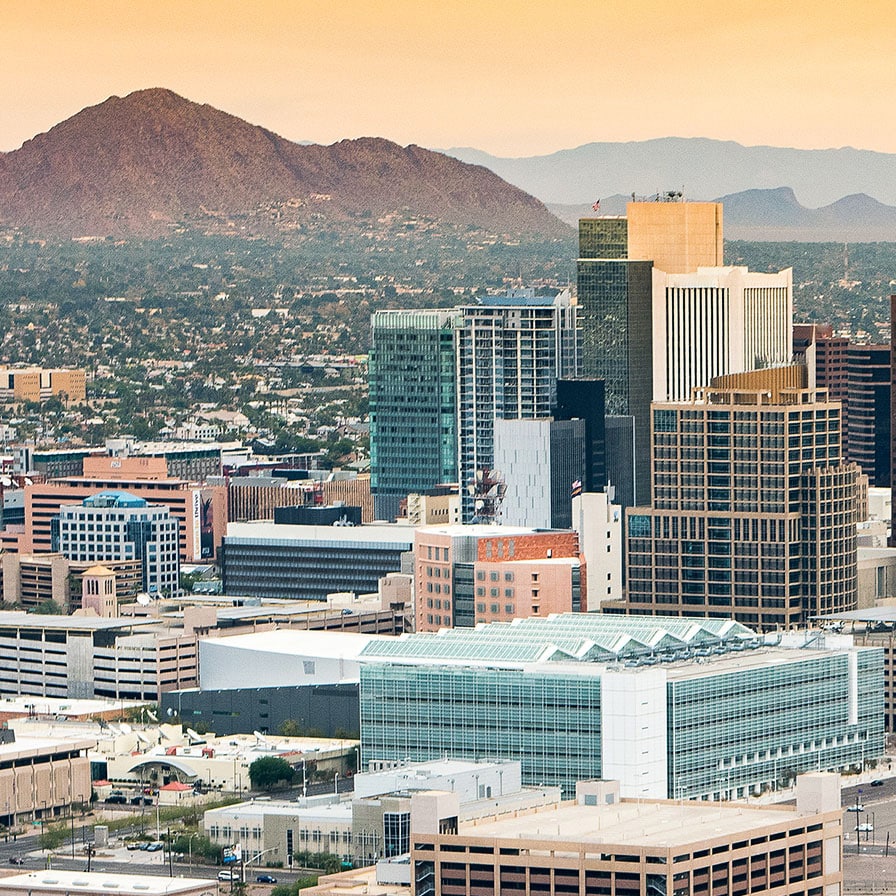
(699, 167)
(777, 216)
(153, 162)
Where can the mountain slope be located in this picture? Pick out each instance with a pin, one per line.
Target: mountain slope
(699, 166)
(151, 161)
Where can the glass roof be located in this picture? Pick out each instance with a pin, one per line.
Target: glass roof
(565, 637)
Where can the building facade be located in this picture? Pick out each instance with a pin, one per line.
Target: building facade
(413, 411)
(716, 321)
(867, 411)
(754, 513)
(511, 350)
(465, 575)
(38, 384)
(118, 526)
(600, 845)
(637, 699)
(310, 562)
(542, 462)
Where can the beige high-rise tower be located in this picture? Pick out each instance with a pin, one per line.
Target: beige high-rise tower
(678, 237)
(754, 512)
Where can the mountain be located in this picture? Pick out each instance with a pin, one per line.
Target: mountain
(153, 161)
(777, 216)
(698, 166)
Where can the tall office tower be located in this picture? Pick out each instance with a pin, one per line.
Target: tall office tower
(816, 346)
(754, 512)
(413, 411)
(892, 538)
(115, 526)
(511, 350)
(542, 463)
(715, 321)
(583, 399)
(867, 411)
(617, 307)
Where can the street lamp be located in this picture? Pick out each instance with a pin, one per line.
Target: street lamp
(336, 784)
(190, 846)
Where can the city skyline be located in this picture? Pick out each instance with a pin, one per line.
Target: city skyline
(507, 78)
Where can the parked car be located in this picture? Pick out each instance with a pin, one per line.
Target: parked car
(225, 874)
(16, 860)
(265, 879)
(134, 845)
(155, 847)
(855, 807)
(116, 799)
(141, 801)
(877, 783)
(865, 828)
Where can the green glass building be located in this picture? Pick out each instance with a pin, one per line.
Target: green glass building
(671, 707)
(413, 406)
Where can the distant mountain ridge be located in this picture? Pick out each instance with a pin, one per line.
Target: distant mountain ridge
(151, 162)
(777, 216)
(699, 166)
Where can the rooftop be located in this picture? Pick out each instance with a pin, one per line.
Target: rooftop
(659, 824)
(302, 642)
(570, 638)
(72, 881)
(114, 498)
(400, 536)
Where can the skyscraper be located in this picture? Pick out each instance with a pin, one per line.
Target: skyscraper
(867, 411)
(661, 315)
(413, 409)
(754, 512)
(439, 380)
(615, 295)
(511, 351)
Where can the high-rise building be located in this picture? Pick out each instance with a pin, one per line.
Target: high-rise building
(439, 380)
(542, 463)
(892, 538)
(511, 351)
(716, 321)
(115, 526)
(583, 399)
(661, 315)
(824, 354)
(754, 512)
(867, 411)
(413, 409)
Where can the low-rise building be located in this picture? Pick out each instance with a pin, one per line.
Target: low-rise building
(672, 708)
(41, 778)
(464, 575)
(310, 562)
(97, 883)
(601, 845)
(375, 823)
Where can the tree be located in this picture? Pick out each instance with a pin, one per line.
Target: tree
(270, 770)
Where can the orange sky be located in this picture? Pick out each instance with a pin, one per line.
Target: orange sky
(509, 77)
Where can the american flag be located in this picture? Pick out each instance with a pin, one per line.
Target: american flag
(596, 206)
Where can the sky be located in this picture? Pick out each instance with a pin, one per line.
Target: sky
(508, 77)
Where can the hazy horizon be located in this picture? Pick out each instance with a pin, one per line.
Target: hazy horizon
(509, 78)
